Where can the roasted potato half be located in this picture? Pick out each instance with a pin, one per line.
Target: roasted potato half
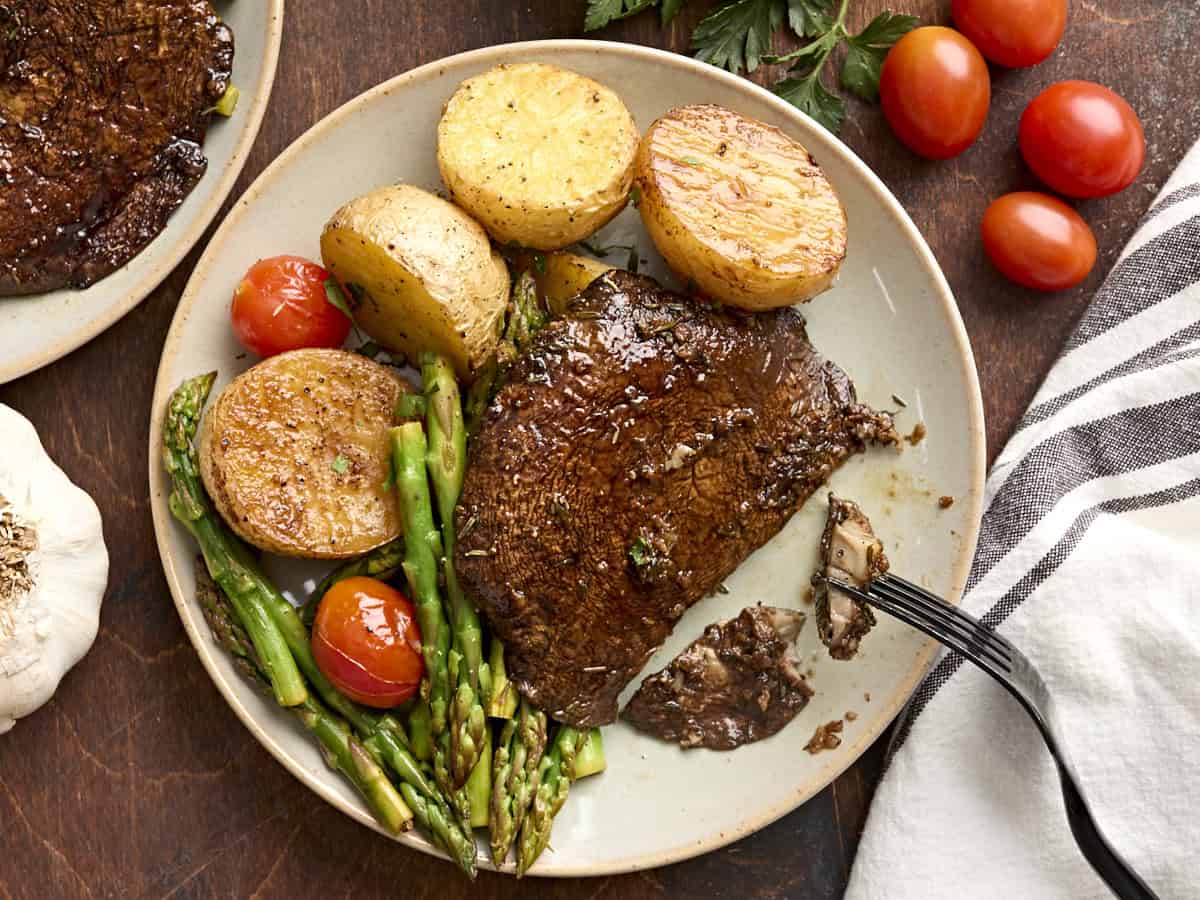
(739, 208)
(559, 276)
(422, 274)
(294, 453)
(543, 157)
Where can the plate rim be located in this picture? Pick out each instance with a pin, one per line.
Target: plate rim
(251, 123)
(943, 295)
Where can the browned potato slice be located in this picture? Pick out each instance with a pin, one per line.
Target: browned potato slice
(294, 454)
(423, 272)
(540, 156)
(739, 208)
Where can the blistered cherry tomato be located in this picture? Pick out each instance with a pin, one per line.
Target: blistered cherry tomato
(366, 641)
(1082, 139)
(1013, 33)
(935, 91)
(281, 304)
(1038, 241)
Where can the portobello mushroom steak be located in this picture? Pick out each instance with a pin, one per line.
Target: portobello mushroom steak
(737, 683)
(103, 109)
(643, 446)
(851, 553)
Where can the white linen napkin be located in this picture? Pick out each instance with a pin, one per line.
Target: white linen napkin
(1089, 561)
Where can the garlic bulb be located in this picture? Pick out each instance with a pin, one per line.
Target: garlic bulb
(53, 570)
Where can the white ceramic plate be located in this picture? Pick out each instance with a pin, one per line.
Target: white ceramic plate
(38, 329)
(891, 323)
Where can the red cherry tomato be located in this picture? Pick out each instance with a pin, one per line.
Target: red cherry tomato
(1013, 33)
(1038, 241)
(281, 304)
(367, 642)
(1082, 139)
(935, 91)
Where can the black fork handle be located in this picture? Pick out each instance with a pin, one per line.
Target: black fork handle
(1122, 880)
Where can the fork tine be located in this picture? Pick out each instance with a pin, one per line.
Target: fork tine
(929, 619)
(950, 615)
(955, 610)
(901, 610)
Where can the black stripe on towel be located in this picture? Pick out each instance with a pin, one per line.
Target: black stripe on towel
(1123, 442)
(1160, 268)
(1019, 592)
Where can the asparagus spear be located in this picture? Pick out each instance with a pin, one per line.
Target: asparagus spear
(382, 563)
(590, 760)
(343, 752)
(525, 319)
(515, 776)
(447, 463)
(423, 548)
(557, 771)
(223, 555)
(287, 639)
(502, 699)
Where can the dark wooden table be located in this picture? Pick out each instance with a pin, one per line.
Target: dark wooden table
(137, 780)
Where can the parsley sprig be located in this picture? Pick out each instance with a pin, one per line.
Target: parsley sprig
(739, 34)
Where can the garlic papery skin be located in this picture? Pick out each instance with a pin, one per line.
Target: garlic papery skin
(48, 627)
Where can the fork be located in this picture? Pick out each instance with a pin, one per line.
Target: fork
(971, 639)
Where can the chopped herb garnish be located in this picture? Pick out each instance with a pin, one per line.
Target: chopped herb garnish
(341, 465)
(690, 161)
(639, 552)
(539, 263)
(228, 102)
(635, 196)
(632, 263)
(410, 406)
(333, 293)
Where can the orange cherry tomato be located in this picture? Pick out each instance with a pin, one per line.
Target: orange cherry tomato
(367, 642)
(281, 304)
(1038, 241)
(935, 91)
(1082, 139)
(1012, 33)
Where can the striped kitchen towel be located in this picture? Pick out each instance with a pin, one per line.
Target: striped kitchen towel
(1089, 561)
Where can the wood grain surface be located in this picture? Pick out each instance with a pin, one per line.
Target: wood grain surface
(138, 781)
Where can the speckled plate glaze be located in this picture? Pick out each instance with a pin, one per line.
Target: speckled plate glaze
(891, 322)
(37, 330)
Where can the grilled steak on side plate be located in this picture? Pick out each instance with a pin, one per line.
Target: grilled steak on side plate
(103, 108)
(641, 449)
(737, 683)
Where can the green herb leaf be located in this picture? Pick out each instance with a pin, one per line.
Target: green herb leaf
(228, 102)
(737, 35)
(410, 406)
(602, 12)
(639, 552)
(602, 251)
(333, 293)
(635, 196)
(866, 51)
(884, 30)
(808, 95)
(690, 160)
(670, 9)
(539, 263)
(809, 18)
(341, 465)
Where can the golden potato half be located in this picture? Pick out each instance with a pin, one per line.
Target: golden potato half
(739, 208)
(422, 274)
(541, 156)
(294, 453)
